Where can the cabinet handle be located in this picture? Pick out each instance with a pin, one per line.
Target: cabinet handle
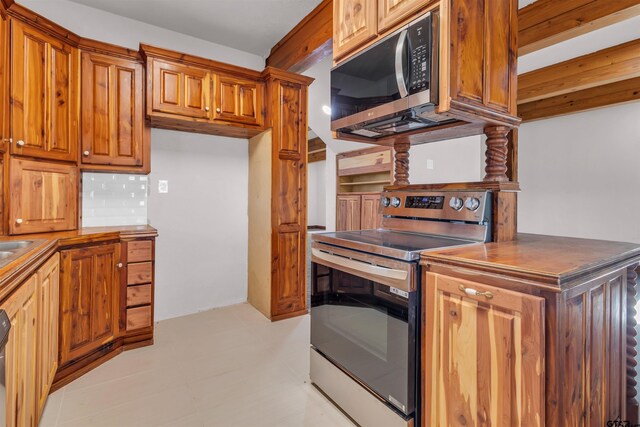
(218, 110)
(119, 265)
(19, 221)
(474, 293)
(20, 143)
(85, 153)
(206, 109)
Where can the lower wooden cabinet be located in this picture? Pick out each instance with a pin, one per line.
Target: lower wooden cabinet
(358, 212)
(139, 288)
(483, 355)
(89, 299)
(43, 196)
(31, 352)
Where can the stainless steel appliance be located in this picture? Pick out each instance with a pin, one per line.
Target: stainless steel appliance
(390, 87)
(365, 300)
(5, 326)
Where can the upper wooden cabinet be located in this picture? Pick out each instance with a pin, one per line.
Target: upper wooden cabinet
(178, 89)
(354, 24)
(44, 95)
(113, 128)
(390, 12)
(42, 196)
(238, 100)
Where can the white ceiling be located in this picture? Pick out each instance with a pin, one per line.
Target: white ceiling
(249, 25)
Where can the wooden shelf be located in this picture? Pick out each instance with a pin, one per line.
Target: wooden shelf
(386, 181)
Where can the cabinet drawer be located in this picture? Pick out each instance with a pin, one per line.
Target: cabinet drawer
(138, 318)
(139, 273)
(139, 251)
(138, 295)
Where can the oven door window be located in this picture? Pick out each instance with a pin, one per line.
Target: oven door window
(368, 331)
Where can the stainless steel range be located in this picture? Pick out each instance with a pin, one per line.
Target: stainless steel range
(365, 294)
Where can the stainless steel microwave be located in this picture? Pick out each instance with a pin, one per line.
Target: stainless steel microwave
(390, 87)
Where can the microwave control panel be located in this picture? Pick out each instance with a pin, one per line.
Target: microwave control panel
(419, 39)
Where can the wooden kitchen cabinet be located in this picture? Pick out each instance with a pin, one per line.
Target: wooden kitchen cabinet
(391, 12)
(238, 100)
(44, 95)
(43, 196)
(178, 89)
(348, 212)
(139, 290)
(89, 299)
(483, 362)
(354, 24)
(113, 127)
(370, 216)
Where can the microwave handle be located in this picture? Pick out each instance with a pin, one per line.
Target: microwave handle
(402, 84)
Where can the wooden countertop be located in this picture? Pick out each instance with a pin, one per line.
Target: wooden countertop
(551, 260)
(12, 274)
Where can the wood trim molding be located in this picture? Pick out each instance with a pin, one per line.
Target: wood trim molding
(589, 99)
(547, 22)
(633, 405)
(606, 66)
(41, 23)
(104, 48)
(307, 43)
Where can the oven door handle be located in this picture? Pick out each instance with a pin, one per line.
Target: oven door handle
(363, 267)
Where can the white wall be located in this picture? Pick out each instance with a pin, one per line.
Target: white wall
(202, 249)
(316, 197)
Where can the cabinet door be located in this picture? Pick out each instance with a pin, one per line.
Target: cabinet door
(20, 353)
(89, 299)
(392, 12)
(48, 312)
(348, 213)
(44, 105)
(179, 89)
(238, 100)
(5, 37)
(483, 355)
(354, 23)
(112, 112)
(43, 196)
(370, 218)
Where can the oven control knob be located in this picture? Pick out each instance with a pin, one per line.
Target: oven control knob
(395, 202)
(386, 202)
(456, 203)
(472, 204)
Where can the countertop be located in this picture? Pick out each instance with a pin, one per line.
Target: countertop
(550, 260)
(12, 274)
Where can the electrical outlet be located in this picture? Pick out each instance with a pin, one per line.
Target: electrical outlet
(430, 164)
(163, 186)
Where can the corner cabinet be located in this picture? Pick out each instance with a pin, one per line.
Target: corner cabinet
(483, 358)
(114, 136)
(89, 300)
(44, 95)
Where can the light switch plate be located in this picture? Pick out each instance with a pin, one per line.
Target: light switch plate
(430, 164)
(163, 186)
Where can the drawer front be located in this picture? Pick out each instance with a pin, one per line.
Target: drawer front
(139, 251)
(138, 295)
(139, 273)
(138, 318)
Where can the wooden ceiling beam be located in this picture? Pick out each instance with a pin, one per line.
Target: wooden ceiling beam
(548, 22)
(589, 99)
(607, 66)
(308, 43)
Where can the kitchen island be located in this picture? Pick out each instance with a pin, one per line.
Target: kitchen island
(535, 331)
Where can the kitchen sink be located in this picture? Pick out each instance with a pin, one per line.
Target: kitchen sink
(6, 254)
(10, 250)
(12, 246)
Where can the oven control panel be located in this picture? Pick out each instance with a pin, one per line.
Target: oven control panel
(468, 206)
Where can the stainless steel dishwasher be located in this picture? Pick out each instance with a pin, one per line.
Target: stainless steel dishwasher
(5, 325)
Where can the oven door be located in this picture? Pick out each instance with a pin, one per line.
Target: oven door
(364, 319)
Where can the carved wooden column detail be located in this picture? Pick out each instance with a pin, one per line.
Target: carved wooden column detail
(496, 155)
(633, 405)
(401, 173)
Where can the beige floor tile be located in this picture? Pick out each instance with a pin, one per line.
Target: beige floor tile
(52, 409)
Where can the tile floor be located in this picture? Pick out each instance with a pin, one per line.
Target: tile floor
(225, 367)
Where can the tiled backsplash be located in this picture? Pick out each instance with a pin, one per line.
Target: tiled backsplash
(114, 199)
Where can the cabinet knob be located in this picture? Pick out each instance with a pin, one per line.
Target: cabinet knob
(218, 110)
(119, 265)
(206, 108)
(19, 221)
(474, 293)
(85, 153)
(20, 143)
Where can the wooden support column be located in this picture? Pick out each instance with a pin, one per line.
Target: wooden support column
(633, 406)
(496, 155)
(401, 173)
